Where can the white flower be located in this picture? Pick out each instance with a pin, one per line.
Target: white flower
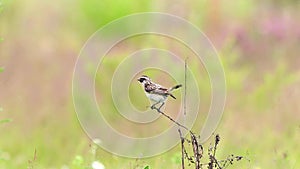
(65, 167)
(97, 141)
(97, 165)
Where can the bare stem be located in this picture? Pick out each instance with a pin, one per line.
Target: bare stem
(185, 70)
(170, 118)
(182, 148)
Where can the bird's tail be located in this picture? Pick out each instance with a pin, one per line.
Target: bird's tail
(175, 87)
(172, 96)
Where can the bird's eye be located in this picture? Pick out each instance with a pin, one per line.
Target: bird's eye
(142, 79)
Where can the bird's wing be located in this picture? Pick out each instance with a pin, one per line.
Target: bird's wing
(150, 87)
(156, 89)
(160, 91)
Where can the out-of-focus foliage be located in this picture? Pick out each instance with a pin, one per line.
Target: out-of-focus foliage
(258, 44)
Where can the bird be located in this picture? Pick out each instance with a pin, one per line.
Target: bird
(155, 92)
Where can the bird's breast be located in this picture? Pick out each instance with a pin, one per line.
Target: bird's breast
(156, 97)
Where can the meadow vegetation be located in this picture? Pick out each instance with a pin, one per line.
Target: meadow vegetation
(258, 43)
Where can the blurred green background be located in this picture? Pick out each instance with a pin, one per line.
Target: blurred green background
(258, 42)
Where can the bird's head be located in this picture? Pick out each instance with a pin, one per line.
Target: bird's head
(144, 79)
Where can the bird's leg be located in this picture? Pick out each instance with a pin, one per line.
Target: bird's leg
(153, 106)
(161, 105)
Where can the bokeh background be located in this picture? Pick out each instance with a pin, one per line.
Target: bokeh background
(258, 42)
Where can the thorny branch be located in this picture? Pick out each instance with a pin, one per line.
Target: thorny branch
(198, 150)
